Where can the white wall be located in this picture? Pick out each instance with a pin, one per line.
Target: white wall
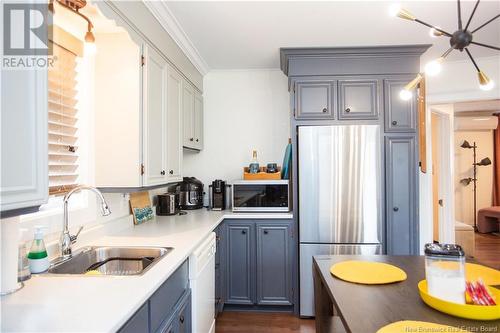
(458, 81)
(243, 110)
(464, 196)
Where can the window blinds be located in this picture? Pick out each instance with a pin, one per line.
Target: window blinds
(63, 117)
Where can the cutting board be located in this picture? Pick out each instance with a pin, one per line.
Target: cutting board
(140, 205)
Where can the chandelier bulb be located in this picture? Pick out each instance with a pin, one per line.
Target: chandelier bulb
(434, 67)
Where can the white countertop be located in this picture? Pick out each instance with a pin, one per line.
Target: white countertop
(62, 303)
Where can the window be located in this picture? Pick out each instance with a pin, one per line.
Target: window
(63, 119)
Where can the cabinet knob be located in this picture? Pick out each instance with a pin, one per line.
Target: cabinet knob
(197, 140)
(348, 110)
(266, 232)
(181, 319)
(243, 232)
(395, 209)
(325, 110)
(191, 139)
(394, 123)
(171, 172)
(163, 172)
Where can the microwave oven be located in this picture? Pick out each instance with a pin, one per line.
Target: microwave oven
(261, 196)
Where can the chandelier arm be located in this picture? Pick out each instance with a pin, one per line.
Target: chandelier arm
(472, 59)
(485, 45)
(486, 23)
(459, 10)
(471, 15)
(433, 27)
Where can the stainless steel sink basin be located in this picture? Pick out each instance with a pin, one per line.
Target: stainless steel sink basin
(108, 260)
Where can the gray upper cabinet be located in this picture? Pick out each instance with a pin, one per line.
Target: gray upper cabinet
(400, 115)
(274, 265)
(401, 180)
(358, 99)
(239, 263)
(314, 99)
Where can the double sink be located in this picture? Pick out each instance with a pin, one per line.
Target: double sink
(107, 260)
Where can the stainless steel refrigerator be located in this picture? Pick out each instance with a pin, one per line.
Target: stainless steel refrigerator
(340, 196)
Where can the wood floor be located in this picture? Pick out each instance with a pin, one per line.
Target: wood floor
(247, 322)
(487, 249)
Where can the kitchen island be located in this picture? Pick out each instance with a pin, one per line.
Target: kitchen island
(367, 308)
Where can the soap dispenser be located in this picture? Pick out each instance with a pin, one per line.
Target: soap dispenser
(37, 257)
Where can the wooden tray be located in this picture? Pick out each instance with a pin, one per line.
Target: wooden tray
(262, 175)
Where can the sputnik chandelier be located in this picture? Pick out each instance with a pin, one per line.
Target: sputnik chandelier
(459, 40)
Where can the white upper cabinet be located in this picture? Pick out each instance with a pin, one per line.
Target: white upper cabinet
(24, 157)
(155, 75)
(174, 126)
(193, 118)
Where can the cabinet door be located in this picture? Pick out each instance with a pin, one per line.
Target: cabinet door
(400, 115)
(188, 115)
(154, 117)
(240, 276)
(24, 156)
(219, 267)
(358, 99)
(402, 199)
(274, 265)
(198, 121)
(183, 317)
(174, 123)
(139, 321)
(313, 100)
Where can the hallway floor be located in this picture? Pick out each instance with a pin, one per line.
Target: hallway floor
(247, 322)
(487, 249)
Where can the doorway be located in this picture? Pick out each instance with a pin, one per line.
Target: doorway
(437, 202)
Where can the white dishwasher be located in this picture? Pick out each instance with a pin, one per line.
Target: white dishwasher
(202, 282)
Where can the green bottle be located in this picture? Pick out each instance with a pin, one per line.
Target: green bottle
(37, 257)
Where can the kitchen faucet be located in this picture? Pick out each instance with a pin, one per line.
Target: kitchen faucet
(66, 238)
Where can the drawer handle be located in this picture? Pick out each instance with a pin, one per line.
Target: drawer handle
(243, 232)
(266, 232)
(191, 139)
(348, 110)
(395, 209)
(394, 123)
(171, 172)
(163, 172)
(325, 110)
(197, 140)
(181, 319)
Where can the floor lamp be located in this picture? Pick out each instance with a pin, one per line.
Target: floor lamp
(466, 181)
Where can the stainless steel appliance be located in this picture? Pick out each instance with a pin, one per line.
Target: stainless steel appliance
(168, 204)
(340, 196)
(218, 196)
(190, 193)
(261, 196)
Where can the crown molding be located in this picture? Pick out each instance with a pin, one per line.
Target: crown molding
(168, 21)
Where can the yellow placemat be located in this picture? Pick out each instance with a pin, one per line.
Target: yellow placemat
(406, 326)
(367, 272)
(490, 276)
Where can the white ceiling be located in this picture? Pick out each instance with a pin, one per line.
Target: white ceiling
(245, 35)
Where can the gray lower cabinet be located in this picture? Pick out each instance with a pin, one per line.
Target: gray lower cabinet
(274, 266)
(168, 310)
(400, 115)
(258, 262)
(219, 297)
(314, 99)
(358, 99)
(139, 321)
(401, 195)
(240, 262)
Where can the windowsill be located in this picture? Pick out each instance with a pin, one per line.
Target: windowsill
(54, 207)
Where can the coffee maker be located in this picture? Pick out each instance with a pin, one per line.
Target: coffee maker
(218, 195)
